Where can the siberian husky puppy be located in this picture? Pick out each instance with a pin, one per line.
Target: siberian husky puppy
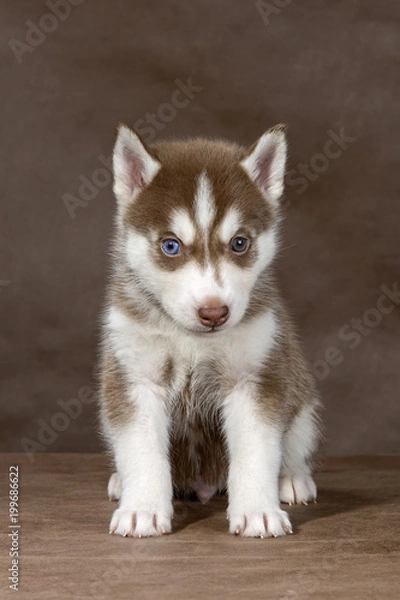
(203, 383)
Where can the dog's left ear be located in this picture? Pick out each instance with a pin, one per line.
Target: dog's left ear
(265, 162)
(134, 167)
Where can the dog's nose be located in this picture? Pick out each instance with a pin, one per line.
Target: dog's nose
(213, 315)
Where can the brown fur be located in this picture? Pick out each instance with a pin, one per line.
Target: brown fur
(175, 183)
(115, 406)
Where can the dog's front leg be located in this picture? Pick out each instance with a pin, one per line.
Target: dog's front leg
(141, 456)
(254, 447)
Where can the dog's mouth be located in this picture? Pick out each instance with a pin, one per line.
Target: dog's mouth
(211, 329)
(214, 329)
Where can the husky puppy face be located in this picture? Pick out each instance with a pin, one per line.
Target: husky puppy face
(197, 224)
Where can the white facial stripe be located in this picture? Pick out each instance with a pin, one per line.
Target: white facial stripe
(182, 225)
(204, 203)
(196, 284)
(267, 245)
(229, 225)
(137, 248)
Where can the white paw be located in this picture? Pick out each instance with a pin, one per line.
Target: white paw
(140, 523)
(297, 489)
(259, 523)
(114, 487)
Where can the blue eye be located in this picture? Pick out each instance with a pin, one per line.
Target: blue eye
(239, 244)
(171, 247)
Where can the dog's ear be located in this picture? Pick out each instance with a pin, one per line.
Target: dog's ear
(133, 165)
(265, 162)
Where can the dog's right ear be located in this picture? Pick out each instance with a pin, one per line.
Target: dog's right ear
(134, 167)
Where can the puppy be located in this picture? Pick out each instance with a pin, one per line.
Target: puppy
(203, 383)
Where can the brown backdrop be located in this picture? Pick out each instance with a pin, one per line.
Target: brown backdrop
(326, 68)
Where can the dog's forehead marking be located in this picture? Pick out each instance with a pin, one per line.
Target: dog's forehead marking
(229, 225)
(204, 204)
(182, 226)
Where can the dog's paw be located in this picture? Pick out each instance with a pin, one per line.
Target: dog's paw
(114, 487)
(140, 523)
(260, 523)
(298, 489)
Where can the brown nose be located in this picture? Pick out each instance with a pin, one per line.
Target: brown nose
(215, 315)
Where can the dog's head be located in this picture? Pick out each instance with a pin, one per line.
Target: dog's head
(197, 223)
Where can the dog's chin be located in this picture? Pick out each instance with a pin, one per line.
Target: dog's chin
(196, 328)
(211, 330)
(202, 330)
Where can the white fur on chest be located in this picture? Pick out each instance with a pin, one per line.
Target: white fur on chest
(143, 350)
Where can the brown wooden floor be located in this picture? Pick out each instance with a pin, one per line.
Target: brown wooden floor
(345, 546)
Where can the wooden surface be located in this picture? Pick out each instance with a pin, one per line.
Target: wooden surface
(345, 546)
